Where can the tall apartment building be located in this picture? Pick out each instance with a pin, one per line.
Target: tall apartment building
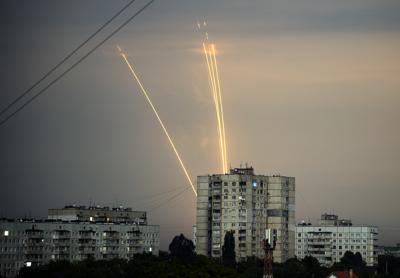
(36, 242)
(247, 204)
(332, 237)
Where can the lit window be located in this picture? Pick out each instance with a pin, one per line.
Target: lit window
(28, 264)
(6, 233)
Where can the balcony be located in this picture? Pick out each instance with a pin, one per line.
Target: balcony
(86, 242)
(86, 234)
(313, 249)
(86, 250)
(111, 242)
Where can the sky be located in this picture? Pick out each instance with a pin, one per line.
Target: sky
(310, 89)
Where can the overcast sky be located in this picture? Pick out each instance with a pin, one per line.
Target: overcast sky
(310, 88)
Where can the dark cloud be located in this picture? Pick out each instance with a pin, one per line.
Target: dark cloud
(310, 90)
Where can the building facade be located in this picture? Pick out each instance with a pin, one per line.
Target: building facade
(247, 204)
(37, 242)
(332, 237)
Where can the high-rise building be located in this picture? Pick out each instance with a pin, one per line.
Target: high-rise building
(247, 204)
(32, 242)
(332, 237)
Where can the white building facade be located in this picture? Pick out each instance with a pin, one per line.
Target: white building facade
(247, 204)
(329, 240)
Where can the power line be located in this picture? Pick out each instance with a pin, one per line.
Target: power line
(169, 200)
(76, 63)
(66, 58)
(157, 198)
(153, 196)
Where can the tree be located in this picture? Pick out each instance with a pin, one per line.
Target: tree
(228, 249)
(351, 260)
(251, 267)
(181, 247)
(313, 267)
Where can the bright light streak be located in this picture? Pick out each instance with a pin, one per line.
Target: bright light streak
(218, 109)
(143, 90)
(220, 106)
(213, 87)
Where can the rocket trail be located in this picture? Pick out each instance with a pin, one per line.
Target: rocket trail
(218, 109)
(215, 97)
(144, 92)
(215, 86)
(220, 105)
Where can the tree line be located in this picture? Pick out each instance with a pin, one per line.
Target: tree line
(182, 261)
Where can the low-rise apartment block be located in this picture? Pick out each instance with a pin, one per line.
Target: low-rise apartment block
(332, 237)
(32, 242)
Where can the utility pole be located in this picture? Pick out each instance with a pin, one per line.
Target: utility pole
(269, 244)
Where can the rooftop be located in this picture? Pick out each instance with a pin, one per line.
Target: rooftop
(33, 220)
(242, 171)
(80, 207)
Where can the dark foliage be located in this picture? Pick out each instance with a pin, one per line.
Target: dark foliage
(176, 264)
(182, 248)
(144, 265)
(351, 260)
(228, 250)
(389, 264)
(252, 267)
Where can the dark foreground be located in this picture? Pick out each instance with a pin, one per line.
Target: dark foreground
(166, 265)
